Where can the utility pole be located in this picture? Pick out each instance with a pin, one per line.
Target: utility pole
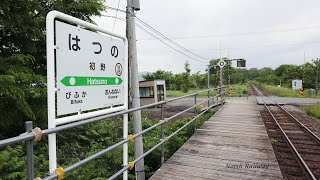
(317, 76)
(209, 77)
(133, 67)
(304, 68)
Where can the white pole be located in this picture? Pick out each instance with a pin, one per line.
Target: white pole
(125, 116)
(125, 146)
(51, 92)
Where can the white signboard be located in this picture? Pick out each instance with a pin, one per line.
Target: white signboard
(222, 63)
(160, 82)
(89, 69)
(86, 74)
(296, 85)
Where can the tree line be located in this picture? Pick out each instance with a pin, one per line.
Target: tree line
(282, 75)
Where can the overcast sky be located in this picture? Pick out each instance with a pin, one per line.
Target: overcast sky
(267, 33)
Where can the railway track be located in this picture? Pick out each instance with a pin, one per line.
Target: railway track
(297, 148)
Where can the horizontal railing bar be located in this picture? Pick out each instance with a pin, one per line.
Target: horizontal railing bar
(159, 144)
(148, 129)
(190, 108)
(189, 95)
(95, 119)
(21, 138)
(150, 150)
(119, 172)
(17, 139)
(171, 117)
(88, 159)
(181, 97)
(200, 92)
(177, 131)
(31, 136)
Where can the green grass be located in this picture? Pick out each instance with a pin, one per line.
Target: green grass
(287, 92)
(281, 91)
(313, 110)
(176, 93)
(80, 142)
(237, 91)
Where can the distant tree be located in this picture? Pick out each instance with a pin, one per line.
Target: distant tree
(185, 75)
(161, 74)
(198, 80)
(288, 72)
(309, 74)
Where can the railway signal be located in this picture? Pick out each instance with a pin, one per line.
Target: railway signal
(301, 91)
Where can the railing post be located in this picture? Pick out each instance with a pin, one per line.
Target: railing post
(248, 93)
(221, 95)
(218, 92)
(195, 113)
(29, 149)
(213, 96)
(162, 135)
(208, 98)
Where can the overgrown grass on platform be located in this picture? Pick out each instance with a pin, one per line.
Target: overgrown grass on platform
(313, 110)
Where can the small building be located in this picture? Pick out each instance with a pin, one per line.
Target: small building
(152, 91)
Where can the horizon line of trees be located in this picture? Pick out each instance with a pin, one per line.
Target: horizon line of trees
(282, 75)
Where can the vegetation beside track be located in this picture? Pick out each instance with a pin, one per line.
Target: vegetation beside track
(313, 110)
(81, 142)
(286, 92)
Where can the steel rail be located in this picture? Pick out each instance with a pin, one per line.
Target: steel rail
(313, 135)
(297, 155)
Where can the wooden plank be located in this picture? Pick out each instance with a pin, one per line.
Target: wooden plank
(233, 144)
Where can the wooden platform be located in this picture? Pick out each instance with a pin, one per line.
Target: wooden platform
(233, 144)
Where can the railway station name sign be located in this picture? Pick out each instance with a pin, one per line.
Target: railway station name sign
(89, 69)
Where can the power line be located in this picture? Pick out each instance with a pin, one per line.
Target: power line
(168, 39)
(161, 35)
(122, 19)
(115, 19)
(146, 31)
(268, 46)
(245, 33)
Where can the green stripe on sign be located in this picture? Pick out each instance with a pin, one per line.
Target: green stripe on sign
(90, 81)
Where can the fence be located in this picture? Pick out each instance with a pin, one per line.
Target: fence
(35, 134)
